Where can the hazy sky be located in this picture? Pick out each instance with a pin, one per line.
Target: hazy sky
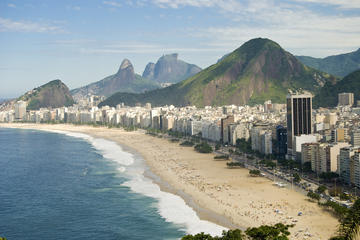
(82, 41)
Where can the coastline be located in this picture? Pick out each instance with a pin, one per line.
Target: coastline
(228, 197)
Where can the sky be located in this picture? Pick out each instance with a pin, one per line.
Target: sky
(83, 41)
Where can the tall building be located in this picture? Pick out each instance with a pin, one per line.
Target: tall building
(281, 139)
(346, 164)
(299, 117)
(355, 138)
(310, 153)
(225, 123)
(346, 99)
(356, 170)
(20, 110)
(339, 135)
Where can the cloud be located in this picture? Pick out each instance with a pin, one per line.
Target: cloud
(226, 5)
(112, 3)
(314, 35)
(144, 48)
(76, 8)
(8, 25)
(11, 5)
(345, 4)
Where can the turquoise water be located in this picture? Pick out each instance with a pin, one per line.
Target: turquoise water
(55, 186)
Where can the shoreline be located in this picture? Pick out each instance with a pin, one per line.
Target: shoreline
(228, 197)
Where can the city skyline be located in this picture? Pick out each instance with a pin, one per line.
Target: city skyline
(41, 41)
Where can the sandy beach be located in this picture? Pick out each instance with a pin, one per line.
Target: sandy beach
(243, 200)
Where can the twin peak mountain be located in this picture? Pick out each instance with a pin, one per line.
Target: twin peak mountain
(167, 70)
(257, 71)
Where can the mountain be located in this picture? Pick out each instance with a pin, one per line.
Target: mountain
(257, 71)
(328, 95)
(125, 80)
(338, 65)
(52, 94)
(169, 69)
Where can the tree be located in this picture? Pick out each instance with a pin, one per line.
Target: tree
(313, 195)
(254, 173)
(329, 176)
(321, 189)
(199, 236)
(296, 177)
(217, 146)
(277, 232)
(203, 148)
(351, 222)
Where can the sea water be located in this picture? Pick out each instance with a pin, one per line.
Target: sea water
(62, 185)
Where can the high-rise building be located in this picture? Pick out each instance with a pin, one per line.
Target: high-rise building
(20, 110)
(346, 99)
(339, 135)
(281, 139)
(299, 117)
(356, 170)
(346, 164)
(310, 153)
(225, 123)
(355, 138)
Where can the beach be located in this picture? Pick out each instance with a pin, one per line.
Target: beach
(228, 197)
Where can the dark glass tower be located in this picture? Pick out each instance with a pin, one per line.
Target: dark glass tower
(299, 117)
(281, 137)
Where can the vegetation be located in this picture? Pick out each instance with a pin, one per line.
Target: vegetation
(234, 164)
(351, 221)
(296, 177)
(321, 189)
(277, 232)
(217, 146)
(244, 146)
(268, 163)
(187, 143)
(339, 210)
(52, 94)
(225, 157)
(203, 148)
(328, 95)
(313, 195)
(338, 65)
(254, 173)
(328, 176)
(279, 71)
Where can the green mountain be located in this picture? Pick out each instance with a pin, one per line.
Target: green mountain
(337, 65)
(169, 69)
(125, 80)
(257, 71)
(52, 94)
(328, 95)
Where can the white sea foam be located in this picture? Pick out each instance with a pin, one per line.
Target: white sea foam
(170, 206)
(173, 208)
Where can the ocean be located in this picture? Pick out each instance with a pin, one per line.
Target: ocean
(60, 185)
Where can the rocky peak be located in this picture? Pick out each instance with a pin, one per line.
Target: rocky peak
(149, 71)
(126, 65)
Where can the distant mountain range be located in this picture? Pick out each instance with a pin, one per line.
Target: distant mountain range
(328, 95)
(125, 80)
(167, 70)
(257, 71)
(338, 65)
(53, 94)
